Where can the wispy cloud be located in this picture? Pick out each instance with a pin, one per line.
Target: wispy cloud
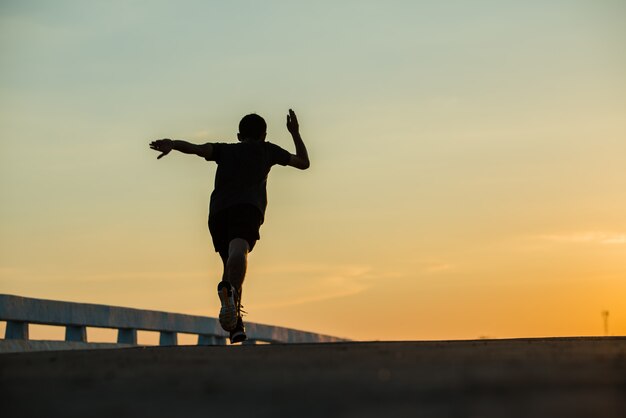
(592, 237)
(200, 135)
(430, 266)
(116, 277)
(8, 271)
(327, 288)
(309, 268)
(307, 283)
(436, 267)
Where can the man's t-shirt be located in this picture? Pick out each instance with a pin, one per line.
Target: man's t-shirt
(242, 170)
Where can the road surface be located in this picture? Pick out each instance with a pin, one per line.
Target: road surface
(571, 377)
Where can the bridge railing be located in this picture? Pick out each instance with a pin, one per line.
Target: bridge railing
(19, 312)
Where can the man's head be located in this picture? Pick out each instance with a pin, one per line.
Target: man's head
(252, 127)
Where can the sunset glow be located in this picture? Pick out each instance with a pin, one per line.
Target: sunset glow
(468, 160)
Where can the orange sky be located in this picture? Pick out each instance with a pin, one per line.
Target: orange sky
(467, 172)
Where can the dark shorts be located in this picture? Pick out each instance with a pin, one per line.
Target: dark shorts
(241, 221)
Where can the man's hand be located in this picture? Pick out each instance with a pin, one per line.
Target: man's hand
(292, 123)
(164, 146)
(301, 158)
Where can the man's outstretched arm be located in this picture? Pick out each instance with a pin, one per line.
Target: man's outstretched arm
(164, 146)
(301, 158)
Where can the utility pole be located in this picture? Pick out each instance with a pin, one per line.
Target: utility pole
(605, 317)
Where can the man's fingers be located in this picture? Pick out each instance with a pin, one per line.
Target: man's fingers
(292, 119)
(293, 116)
(159, 141)
(162, 146)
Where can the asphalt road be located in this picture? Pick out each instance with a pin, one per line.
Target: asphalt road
(576, 377)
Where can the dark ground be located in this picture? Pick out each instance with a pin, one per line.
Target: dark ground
(564, 377)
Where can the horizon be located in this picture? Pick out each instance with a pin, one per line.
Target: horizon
(467, 161)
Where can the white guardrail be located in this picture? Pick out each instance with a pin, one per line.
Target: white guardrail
(19, 312)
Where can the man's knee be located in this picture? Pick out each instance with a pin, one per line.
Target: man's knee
(238, 247)
(238, 250)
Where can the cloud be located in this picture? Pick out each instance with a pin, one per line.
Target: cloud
(436, 267)
(10, 271)
(297, 284)
(200, 135)
(430, 266)
(70, 278)
(592, 237)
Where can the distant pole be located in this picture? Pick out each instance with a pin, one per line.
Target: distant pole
(605, 317)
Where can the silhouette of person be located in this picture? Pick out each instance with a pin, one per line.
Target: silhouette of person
(238, 201)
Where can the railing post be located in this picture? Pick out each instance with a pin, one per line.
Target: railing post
(211, 340)
(127, 336)
(168, 338)
(16, 330)
(76, 333)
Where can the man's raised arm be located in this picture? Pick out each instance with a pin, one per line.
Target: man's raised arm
(301, 159)
(164, 146)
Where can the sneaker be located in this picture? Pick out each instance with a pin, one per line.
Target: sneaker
(238, 334)
(228, 313)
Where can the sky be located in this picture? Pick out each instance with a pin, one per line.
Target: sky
(467, 160)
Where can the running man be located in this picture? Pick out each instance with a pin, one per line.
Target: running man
(239, 200)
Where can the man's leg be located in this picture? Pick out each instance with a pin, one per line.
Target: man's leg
(235, 273)
(237, 263)
(227, 292)
(229, 289)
